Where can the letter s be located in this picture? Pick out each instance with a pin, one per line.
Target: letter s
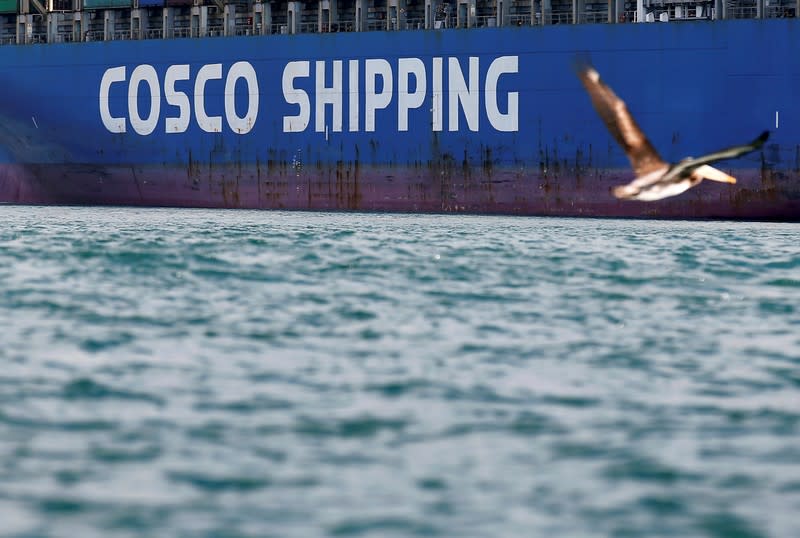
(294, 96)
(176, 98)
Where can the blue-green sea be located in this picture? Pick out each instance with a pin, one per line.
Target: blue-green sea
(197, 373)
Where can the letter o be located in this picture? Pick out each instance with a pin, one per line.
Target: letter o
(244, 124)
(147, 74)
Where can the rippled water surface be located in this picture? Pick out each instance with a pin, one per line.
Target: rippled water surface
(267, 374)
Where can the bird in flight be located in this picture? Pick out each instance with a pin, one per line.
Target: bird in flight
(655, 178)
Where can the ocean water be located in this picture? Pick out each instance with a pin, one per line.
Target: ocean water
(202, 373)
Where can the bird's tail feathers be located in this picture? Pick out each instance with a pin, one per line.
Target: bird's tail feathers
(758, 142)
(709, 172)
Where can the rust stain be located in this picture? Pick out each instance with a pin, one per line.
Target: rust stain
(193, 173)
(258, 182)
(797, 159)
(488, 165)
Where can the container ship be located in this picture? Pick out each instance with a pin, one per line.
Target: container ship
(393, 105)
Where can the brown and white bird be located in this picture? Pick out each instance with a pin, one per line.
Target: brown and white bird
(655, 178)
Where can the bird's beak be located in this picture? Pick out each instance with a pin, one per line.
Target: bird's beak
(709, 172)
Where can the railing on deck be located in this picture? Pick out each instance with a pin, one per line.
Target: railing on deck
(406, 24)
(172, 33)
(674, 10)
(742, 12)
(559, 17)
(151, 33)
(344, 25)
(308, 27)
(593, 17)
(414, 24)
(375, 26)
(242, 30)
(64, 37)
(486, 21)
(780, 12)
(519, 20)
(215, 31)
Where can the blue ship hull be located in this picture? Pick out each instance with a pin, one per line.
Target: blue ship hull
(481, 121)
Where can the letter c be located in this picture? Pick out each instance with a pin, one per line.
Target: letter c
(112, 75)
(210, 124)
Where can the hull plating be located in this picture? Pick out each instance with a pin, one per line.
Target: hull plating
(758, 194)
(478, 121)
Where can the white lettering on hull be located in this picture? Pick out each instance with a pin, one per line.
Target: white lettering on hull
(111, 76)
(407, 100)
(378, 91)
(177, 98)
(146, 75)
(464, 93)
(241, 71)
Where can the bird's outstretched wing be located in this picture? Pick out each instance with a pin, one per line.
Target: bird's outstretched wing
(731, 152)
(614, 113)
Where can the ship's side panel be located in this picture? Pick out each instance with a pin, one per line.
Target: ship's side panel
(484, 120)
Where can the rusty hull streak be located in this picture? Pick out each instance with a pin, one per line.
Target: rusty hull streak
(556, 187)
